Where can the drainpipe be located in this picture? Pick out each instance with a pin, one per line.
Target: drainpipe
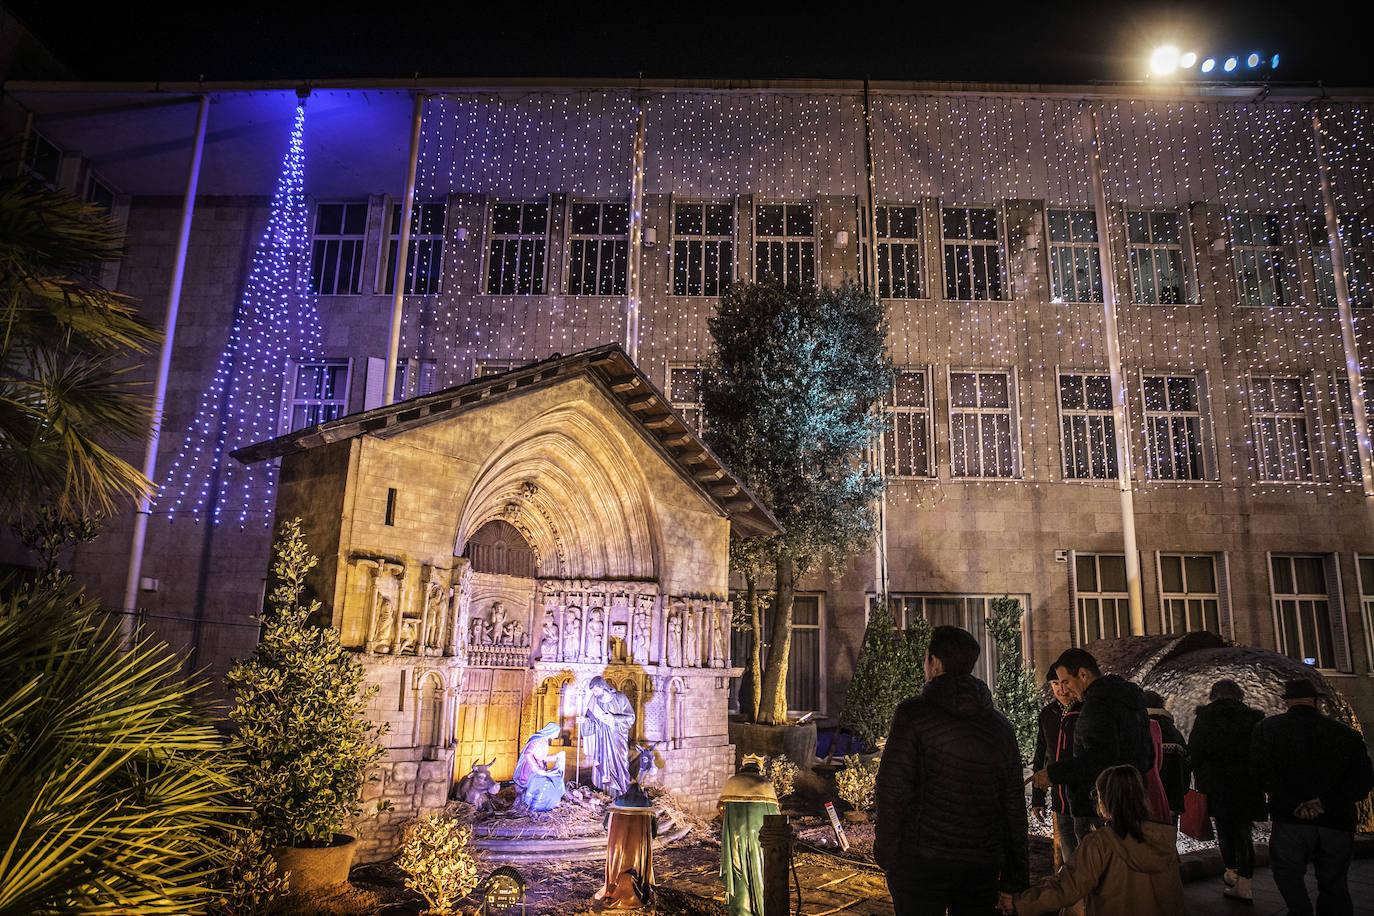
(164, 365)
(870, 276)
(393, 347)
(636, 242)
(1123, 449)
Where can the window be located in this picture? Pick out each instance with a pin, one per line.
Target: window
(1355, 245)
(1157, 258)
(45, 159)
(1281, 446)
(970, 612)
(414, 378)
(425, 265)
(598, 248)
(1365, 565)
(319, 393)
(906, 444)
(901, 265)
(489, 367)
(805, 686)
(1302, 609)
(973, 253)
(1348, 449)
(1173, 427)
(1190, 599)
(1075, 260)
(1261, 263)
(518, 252)
(785, 243)
(1085, 418)
(703, 248)
(336, 262)
(684, 394)
(982, 437)
(1099, 589)
(99, 193)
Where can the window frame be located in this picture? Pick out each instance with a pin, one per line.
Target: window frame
(1187, 255)
(1358, 249)
(1206, 458)
(927, 410)
(986, 667)
(1014, 420)
(294, 367)
(785, 240)
(1066, 413)
(691, 412)
(725, 278)
(1289, 289)
(1366, 596)
(1308, 415)
(356, 242)
(432, 242)
(999, 245)
(600, 239)
(1335, 608)
(1345, 465)
(1073, 245)
(740, 649)
(906, 243)
(31, 151)
(1077, 594)
(538, 278)
(1222, 593)
(415, 378)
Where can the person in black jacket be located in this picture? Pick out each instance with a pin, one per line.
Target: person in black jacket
(1315, 770)
(1054, 742)
(951, 816)
(1113, 729)
(1220, 749)
(1176, 772)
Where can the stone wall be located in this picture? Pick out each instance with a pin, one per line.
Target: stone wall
(415, 781)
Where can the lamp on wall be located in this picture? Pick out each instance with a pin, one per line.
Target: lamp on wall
(650, 236)
(842, 239)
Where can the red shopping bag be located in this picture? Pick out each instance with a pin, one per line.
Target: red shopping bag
(1195, 821)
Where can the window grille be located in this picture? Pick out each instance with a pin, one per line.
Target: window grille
(1173, 427)
(982, 434)
(517, 254)
(972, 241)
(336, 263)
(1075, 259)
(785, 243)
(598, 248)
(1087, 431)
(703, 248)
(424, 268)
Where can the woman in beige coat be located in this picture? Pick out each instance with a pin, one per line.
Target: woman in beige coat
(1128, 867)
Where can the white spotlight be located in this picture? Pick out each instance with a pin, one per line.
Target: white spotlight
(1253, 60)
(1187, 60)
(1164, 60)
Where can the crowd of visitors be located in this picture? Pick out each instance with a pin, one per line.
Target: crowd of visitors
(1113, 772)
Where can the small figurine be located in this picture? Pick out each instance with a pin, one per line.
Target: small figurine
(477, 787)
(644, 763)
(539, 774)
(747, 797)
(631, 828)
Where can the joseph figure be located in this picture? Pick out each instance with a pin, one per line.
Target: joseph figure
(606, 736)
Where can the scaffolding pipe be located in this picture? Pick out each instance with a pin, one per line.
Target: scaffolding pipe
(870, 279)
(398, 295)
(632, 284)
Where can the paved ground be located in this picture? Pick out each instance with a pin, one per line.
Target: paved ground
(1204, 897)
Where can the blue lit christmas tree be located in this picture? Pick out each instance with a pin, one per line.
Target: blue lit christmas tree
(276, 321)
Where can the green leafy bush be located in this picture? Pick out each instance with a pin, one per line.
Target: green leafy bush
(782, 773)
(1016, 693)
(249, 882)
(888, 671)
(856, 783)
(301, 710)
(436, 855)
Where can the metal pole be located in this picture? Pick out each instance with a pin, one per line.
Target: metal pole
(870, 275)
(1123, 450)
(164, 366)
(636, 240)
(1352, 350)
(393, 347)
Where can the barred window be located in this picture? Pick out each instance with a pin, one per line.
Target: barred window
(1157, 257)
(906, 443)
(1173, 427)
(684, 394)
(1302, 604)
(414, 378)
(972, 240)
(1365, 566)
(703, 248)
(336, 262)
(1075, 260)
(1281, 445)
(1348, 449)
(1104, 607)
(424, 267)
(785, 243)
(517, 255)
(1189, 592)
(598, 248)
(1355, 245)
(968, 612)
(982, 434)
(1262, 264)
(319, 392)
(901, 265)
(1089, 436)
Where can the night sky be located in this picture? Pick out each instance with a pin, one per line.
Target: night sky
(1030, 41)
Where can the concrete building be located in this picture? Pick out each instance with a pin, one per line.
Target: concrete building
(1252, 517)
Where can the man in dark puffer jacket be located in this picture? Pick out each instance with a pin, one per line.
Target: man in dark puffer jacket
(1113, 729)
(951, 816)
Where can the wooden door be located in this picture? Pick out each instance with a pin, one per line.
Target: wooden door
(488, 725)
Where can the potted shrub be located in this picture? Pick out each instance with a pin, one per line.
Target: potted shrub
(307, 745)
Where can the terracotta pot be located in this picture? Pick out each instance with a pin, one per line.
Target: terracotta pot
(316, 868)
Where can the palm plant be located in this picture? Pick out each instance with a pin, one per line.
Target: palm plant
(66, 347)
(114, 789)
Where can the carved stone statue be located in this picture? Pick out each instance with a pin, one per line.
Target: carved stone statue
(691, 642)
(719, 622)
(639, 637)
(596, 629)
(673, 650)
(383, 624)
(405, 643)
(458, 633)
(548, 640)
(604, 734)
(436, 618)
(572, 637)
(496, 627)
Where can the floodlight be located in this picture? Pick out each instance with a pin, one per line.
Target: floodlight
(1230, 64)
(1164, 60)
(1253, 60)
(1187, 60)
(1274, 62)
(1209, 65)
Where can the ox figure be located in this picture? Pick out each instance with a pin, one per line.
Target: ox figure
(477, 787)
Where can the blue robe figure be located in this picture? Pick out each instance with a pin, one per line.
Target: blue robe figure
(539, 774)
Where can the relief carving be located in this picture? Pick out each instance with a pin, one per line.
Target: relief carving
(386, 607)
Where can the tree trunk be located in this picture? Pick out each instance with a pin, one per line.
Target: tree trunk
(773, 693)
(751, 592)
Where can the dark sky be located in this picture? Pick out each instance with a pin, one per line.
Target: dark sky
(1029, 41)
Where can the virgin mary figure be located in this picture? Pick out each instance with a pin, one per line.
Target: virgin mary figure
(539, 774)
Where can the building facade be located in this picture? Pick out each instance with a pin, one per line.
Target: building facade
(1251, 513)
